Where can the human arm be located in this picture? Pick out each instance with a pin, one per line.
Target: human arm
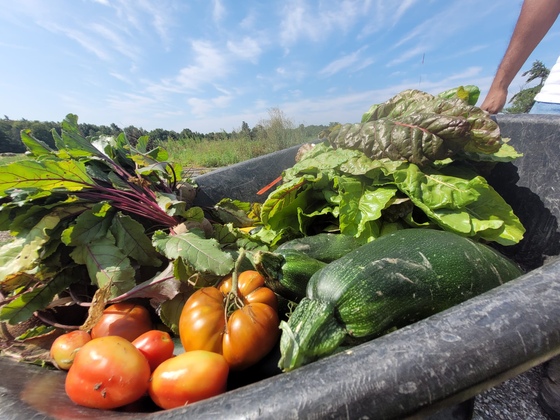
(535, 19)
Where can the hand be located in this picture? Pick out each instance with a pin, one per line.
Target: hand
(495, 100)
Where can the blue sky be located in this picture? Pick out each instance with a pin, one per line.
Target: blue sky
(208, 65)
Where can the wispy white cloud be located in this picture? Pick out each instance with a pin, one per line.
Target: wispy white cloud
(116, 40)
(353, 61)
(416, 51)
(247, 48)
(300, 20)
(87, 41)
(435, 31)
(402, 8)
(218, 11)
(209, 64)
(382, 15)
(121, 77)
(283, 76)
(144, 16)
(201, 107)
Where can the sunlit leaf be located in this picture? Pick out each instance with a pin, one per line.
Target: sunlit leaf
(70, 175)
(203, 254)
(37, 147)
(87, 228)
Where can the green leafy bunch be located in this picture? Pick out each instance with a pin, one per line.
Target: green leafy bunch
(397, 170)
(424, 129)
(101, 213)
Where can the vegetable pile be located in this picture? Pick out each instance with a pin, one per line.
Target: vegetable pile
(403, 166)
(334, 256)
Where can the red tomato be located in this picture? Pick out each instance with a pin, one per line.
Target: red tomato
(244, 334)
(65, 347)
(127, 320)
(108, 372)
(189, 377)
(157, 346)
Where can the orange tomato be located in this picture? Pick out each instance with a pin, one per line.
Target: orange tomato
(127, 320)
(157, 346)
(189, 377)
(243, 333)
(108, 372)
(64, 348)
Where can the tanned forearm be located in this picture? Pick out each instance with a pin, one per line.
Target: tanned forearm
(535, 19)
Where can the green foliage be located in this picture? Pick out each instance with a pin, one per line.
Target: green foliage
(365, 178)
(523, 101)
(223, 149)
(87, 211)
(187, 148)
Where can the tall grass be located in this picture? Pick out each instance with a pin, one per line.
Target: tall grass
(224, 149)
(268, 136)
(9, 158)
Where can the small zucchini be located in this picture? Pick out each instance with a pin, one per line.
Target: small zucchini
(388, 283)
(287, 271)
(325, 247)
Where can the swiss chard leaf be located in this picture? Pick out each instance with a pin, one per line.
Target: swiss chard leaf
(460, 200)
(362, 204)
(439, 127)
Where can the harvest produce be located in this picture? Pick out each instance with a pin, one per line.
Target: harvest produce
(238, 319)
(287, 271)
(391, 282)
(64, 348)
(156, 346)
(127, 320)
(408, 165)
(99, 214)
(188, 378)
(325, 247)
(107, 373)
(377, 225)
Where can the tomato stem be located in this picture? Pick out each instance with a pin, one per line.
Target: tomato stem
(236, 269)
(232, 297)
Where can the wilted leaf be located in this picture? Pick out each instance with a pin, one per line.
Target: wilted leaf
(98, 303)
(22, 307)
(158, 289)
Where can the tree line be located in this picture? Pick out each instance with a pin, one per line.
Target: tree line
(10, 133)
(276, 128)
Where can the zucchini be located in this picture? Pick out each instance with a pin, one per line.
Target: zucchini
(325, 247)
(388, 283)
(287, 271)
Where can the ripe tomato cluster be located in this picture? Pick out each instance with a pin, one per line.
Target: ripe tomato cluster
(242, 326)
(123, 358)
